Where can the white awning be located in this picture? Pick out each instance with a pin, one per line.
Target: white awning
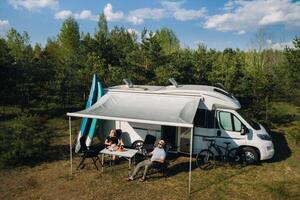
(167, 110)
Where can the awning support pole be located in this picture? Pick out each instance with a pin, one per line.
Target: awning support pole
(191, 152)
(70, 131)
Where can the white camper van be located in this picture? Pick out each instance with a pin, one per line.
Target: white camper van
(215, 117)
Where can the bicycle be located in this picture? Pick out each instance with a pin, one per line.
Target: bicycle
(206, 159)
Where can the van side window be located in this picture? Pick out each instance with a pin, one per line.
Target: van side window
(237, 124)
(225, 121)
(205, 119)
(199, 119)
(229, 122)
(211, 121)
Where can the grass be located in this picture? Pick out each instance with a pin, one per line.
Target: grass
(278, 178)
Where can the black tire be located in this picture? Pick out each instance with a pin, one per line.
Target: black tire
(249, 155)
(205, 160)
(234, 155)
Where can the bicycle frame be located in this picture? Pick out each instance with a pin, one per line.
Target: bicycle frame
(218, 149)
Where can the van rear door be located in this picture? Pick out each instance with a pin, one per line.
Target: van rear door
(230, 129)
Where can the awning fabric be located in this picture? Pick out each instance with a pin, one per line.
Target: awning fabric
(144, 108)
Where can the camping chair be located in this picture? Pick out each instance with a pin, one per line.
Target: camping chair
(163, 167)
(88, 153)
(119, 134)
(149, 142)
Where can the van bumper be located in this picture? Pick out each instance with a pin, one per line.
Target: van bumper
(268, 152)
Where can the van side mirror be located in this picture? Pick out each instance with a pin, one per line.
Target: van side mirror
(244, 130)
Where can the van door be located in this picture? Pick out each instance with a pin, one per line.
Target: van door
(184, 136)
(230, 129)
(169, 135)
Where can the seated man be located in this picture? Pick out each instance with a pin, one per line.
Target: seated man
(158, 155)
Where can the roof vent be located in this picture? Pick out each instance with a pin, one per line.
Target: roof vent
(128, 82)
(174, 83)
(220, 85)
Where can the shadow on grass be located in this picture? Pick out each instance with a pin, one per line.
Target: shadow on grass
(282, 149)
(180, 167)
(215, 182)
(55, 153)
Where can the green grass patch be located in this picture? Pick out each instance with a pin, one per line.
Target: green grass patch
(283, 112)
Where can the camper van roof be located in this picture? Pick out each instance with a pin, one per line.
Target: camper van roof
(196, 90)
(150, 88)
(181, 90)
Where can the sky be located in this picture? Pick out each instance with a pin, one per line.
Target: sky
(219, 24)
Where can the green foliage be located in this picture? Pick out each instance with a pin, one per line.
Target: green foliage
(294, 134)
(282, 113)
(23, 140)
(59, 74)
(163, 73)
(293, 57)
(167, 40)
(102, 27)
(69, 39)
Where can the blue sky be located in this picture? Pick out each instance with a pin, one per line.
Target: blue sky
(217, 23)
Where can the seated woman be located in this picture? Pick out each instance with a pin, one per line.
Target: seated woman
(112, 141)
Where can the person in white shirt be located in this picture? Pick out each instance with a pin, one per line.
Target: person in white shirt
(158, 155)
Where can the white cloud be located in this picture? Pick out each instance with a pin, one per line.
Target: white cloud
(133, 31)
(280, 45)
(169, 9)
(272, 18)
(110, 15)
(135, 19)
(86, 14)
(33, 5)
(242, 15)
(241, 32)
(183, 14)
(4, 26)
(137, 16)
(63, 14)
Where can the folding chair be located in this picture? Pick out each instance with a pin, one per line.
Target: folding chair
(88, 153)
(149, 142)
(163, 167)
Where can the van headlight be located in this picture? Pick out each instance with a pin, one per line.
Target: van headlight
(264, 137)
(269, 148)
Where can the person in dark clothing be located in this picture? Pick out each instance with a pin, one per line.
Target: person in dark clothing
(112, 141)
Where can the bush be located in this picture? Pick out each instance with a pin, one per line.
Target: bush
(24, 140)
(282, 113)
(294, 135)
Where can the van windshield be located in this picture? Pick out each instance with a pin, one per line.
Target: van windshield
(251, 122)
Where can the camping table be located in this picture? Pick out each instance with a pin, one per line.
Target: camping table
(127, 154)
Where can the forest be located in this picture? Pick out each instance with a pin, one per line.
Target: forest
(41, 82)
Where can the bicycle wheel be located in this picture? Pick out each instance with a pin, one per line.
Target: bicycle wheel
(205, 160)
(234, 155)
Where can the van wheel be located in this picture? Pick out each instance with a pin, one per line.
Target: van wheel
(250, 156)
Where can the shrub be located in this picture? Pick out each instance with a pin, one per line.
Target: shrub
(282, 113)
(294, 134)
(24, 140)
